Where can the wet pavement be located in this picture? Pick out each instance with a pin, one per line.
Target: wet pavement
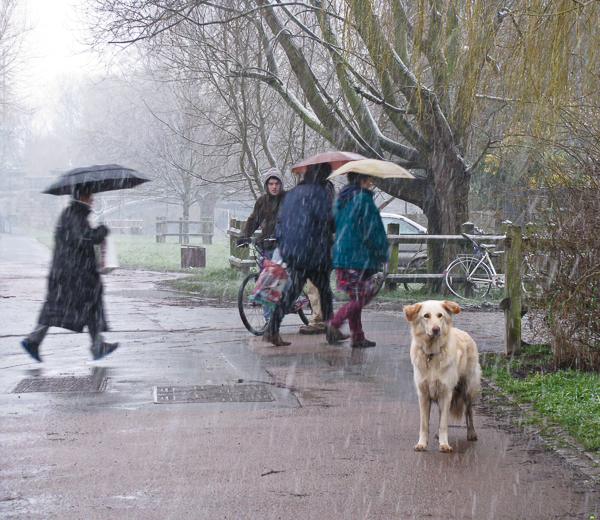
(310, 431)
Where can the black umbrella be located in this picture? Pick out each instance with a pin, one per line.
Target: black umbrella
(97, 178)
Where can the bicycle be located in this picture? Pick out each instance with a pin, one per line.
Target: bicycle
(475, 275)
(252, 312)
(341, 296)
(417, 265)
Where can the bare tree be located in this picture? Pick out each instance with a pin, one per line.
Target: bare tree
(12, 30)
(418, 83)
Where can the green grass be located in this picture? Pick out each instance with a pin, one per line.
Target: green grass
(212, 283)
(568, 398)
(216, 280)
(142, 252)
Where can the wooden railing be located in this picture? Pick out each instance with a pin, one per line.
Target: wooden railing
(398, 274)
(239, 257)
(124, 227)
(206, 229)
(511, 266)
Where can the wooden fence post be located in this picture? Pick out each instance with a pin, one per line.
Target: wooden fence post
(160, 230)
(512, 302)
(232, 239)
(469, 229)
(393, 228)
(207, 226)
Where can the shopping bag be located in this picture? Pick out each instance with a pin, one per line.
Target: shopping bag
(107, 256)
(270, 284)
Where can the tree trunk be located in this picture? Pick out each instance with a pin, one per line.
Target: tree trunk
(443, 195)
(446, 205)
(186, 218)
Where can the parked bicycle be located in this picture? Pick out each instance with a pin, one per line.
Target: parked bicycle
(475, 275)
(253, 314)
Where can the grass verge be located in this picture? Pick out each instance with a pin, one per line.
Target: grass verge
(212, 283)
(568, 398)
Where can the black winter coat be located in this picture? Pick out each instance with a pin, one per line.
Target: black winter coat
(74, 297)
(305, 227)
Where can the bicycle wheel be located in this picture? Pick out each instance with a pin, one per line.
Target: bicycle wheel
(466, 279)
(381, 276)
(251, 312)
(338, 296)
(303, 316)
(415, 266)
(302, 306)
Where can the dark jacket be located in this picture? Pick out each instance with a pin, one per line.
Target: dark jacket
(360, 238)
(266, 208)
(74, 297)
(304, 228)
(264, 215)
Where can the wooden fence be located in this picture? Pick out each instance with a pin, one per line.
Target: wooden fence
(398, 275)
(511, 266)
(239, 257)
(125, 227)
(206, 229)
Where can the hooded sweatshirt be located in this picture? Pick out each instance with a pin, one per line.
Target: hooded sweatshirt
(266, 208)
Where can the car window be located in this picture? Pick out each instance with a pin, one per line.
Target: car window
(405, 227)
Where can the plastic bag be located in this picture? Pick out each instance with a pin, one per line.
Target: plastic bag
(107, 256)
(270, 284)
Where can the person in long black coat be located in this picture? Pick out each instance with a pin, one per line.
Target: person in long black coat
(304, 233)
(74, 298)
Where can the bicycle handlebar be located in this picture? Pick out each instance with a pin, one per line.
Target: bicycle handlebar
(482, 247)
(245, 242)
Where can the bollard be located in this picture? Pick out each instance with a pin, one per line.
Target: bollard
(393, 228)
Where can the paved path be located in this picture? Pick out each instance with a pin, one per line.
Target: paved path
(334, 440)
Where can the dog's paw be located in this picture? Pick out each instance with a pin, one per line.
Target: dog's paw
(471, 436)
(445, 448)
(421, 447)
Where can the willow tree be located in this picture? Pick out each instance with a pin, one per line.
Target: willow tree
(421, 83)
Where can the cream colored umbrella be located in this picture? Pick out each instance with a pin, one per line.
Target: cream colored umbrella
(374, 168)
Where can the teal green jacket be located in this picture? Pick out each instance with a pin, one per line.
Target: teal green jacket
(360, 237)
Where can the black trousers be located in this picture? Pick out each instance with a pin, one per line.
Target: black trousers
(298, 277)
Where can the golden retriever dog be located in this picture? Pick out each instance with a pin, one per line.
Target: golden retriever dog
(446, 368)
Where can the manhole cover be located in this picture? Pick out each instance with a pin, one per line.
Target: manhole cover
(86, 384)
(213, 394)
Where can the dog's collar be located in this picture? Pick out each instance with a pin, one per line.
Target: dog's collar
(429, 356)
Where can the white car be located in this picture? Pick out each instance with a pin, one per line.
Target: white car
(414, 254)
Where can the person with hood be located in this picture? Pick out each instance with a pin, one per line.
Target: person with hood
(304, 233)
(264, 214)
(74, 298)
(361, 246)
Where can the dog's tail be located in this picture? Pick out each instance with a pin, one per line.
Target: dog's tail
(459, 401)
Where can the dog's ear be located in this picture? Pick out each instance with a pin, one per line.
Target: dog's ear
(411, 311)
(452, 307)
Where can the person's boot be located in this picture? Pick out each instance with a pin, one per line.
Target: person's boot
(275, 339)
(32, 350)
(316, 328)
(103, 350)
(334, 335)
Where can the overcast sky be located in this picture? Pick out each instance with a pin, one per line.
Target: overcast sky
(53, 44)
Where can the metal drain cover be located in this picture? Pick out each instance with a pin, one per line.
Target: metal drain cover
(213, 394)
(83, 384)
